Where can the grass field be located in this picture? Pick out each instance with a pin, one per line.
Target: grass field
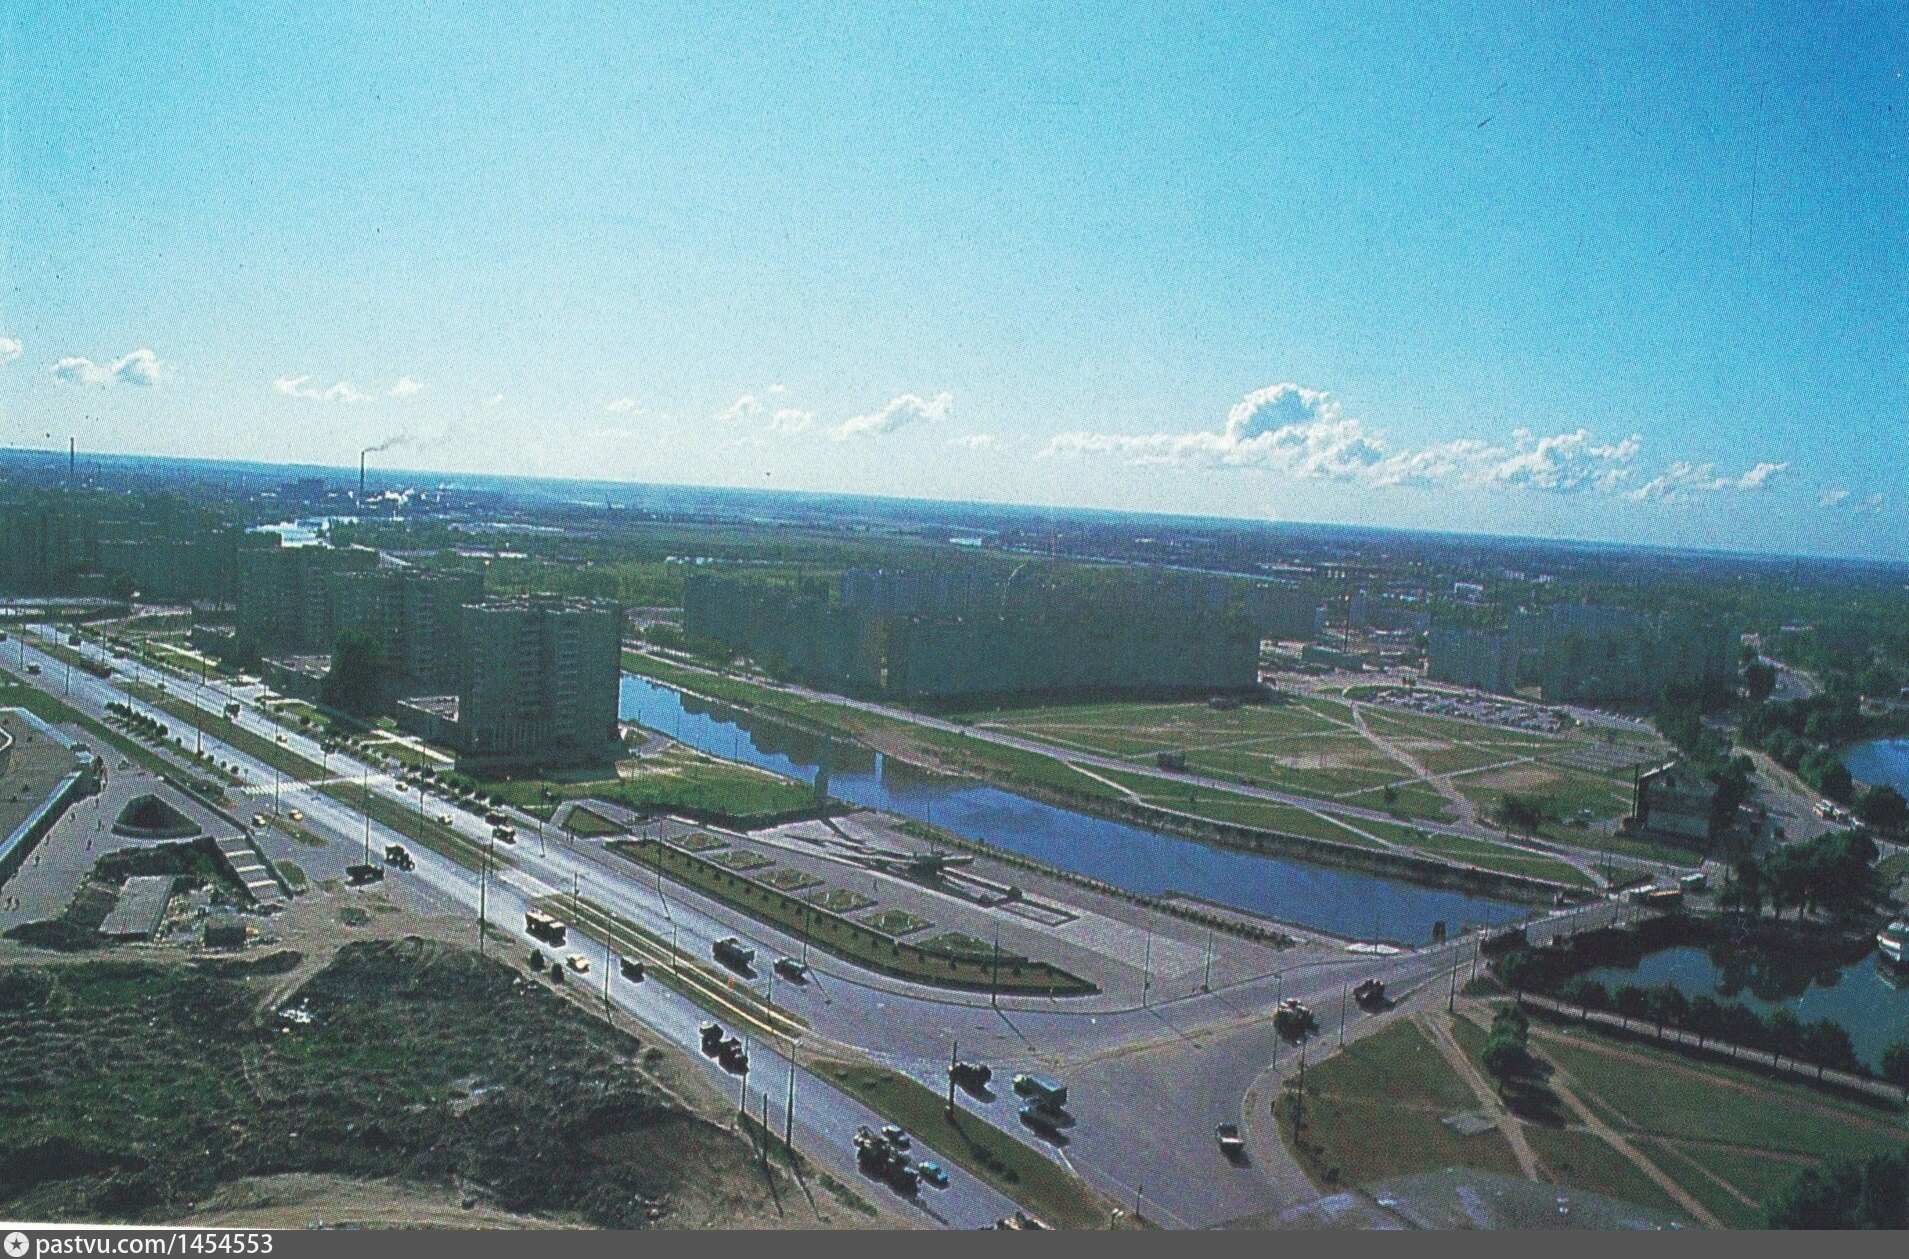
(679, 779)
(1309, 745)
(1728, 1137)
(582, 821)
(1039, 1184)
(1372, 1111)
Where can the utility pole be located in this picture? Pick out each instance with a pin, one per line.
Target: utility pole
(1146, 974)
(483, 892)
(788, 1115)
(994, 985)
(1451, 998)
(1206, 980)
(367, 803)
(954, 1056)
(1344, 987)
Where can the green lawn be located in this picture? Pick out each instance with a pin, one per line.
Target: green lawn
(1372, 1111)
(581, 821)
(679, 780)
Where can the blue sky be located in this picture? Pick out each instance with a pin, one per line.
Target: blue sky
(1593, 272)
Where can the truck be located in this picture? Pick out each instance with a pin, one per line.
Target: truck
(733, 1056)
(1042, 1090)
(397, 855)
(504, 834)
(878, 1156)
(359, 875)
(733, 953)
(632, 968)
(542, 926)
(1232, 1144)
(495, 817)
(972, 1076)
(792, 970)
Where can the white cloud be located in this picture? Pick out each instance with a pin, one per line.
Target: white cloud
(10, 348)
(405, 387)
(778, 389)
(897, 414)
(741, 408)
(972, 441)
(1302, 433)
(301, 387)
(621, 406)
(495, 400)
(791, 420)
(74, 370)
(1843, 498)
(141, 368)
(1684, 478)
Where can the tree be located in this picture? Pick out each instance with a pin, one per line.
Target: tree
(1505, 1059)
(357, 673)
(1631, 1001)
(1895, 1066)
(1759, 679)
(1520, 812)
(1705, 1017)
(1827, 1044)
(1746, 887)
(1664, 1005)
(1520, 970)
(1585, 993)
(1846, 1193)
(1883, 808)
(1785, 1034)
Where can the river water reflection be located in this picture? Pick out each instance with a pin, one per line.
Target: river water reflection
(1342, 902)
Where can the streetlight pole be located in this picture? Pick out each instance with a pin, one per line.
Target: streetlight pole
(483, 897)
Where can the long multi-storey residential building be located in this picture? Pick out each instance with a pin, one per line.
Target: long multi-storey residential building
(1137, 636)
(1584, 653)
(159, 547)
(416, 616)
(285, 603)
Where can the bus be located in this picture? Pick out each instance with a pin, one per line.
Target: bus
(542, 926)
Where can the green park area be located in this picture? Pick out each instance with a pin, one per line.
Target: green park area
(1727, 1138)
(1375, 1110)
(813, 917)
(677, 780)
(1137, 731)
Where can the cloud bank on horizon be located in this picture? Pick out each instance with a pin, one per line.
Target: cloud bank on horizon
(1292, 431)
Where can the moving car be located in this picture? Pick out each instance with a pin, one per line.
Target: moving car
(932, 1173)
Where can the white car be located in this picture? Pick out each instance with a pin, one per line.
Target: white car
(578, 963)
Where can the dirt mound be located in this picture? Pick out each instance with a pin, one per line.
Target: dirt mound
(128, 1090)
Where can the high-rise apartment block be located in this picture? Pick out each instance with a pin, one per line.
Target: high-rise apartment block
(540, 683)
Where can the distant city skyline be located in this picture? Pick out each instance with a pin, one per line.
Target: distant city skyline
(1622, 275)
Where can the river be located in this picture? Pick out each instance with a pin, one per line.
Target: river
(1342, 902)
